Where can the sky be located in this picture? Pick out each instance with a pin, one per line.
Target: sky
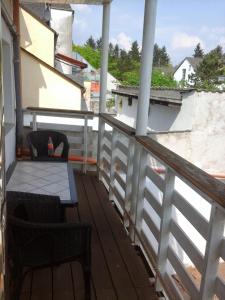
(180, 24)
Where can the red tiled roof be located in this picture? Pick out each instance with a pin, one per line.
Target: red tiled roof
(71, 60)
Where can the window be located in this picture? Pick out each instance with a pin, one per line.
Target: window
(130, 100)
(183, 74)
(8, 84)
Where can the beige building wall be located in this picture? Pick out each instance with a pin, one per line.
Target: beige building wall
(36, 38)
(43, 87)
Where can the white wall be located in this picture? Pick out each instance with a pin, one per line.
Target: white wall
(200, 120)
(37, 38)
(161, 117)
(204, 146)
(46, 87)
(178, 75)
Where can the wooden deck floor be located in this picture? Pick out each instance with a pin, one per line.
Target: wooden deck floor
(117, 271)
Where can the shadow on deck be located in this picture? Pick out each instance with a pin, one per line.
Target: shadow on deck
(117, 271)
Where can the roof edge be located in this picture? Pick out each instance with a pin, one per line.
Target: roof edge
(37, 18)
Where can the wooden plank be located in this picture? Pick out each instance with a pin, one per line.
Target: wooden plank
(191, 250)
(124, 149)
(182, 274)
(79, 290)
(121, 165)
(193, 175)
(53, 111)
(107, 150)
(118, 124)
(107, 135)
(100, 273)
(105, 176)
(222, 251)
(116, 265)
(191, 214)
(134, 266)
(106, 164)
(153, 202)
(42, 284)
(155, 178)
(220, 288)
(151, 225)
(62, 283)
(150, 251)
(120, 180)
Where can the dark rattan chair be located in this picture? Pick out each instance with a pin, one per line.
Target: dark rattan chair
(38, 144)
(37, 238)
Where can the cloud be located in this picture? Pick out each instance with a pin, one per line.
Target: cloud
(183, 40)
(83, 8)
(123, 40)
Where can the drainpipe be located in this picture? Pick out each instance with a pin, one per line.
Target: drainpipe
(17, 74)
(143, 97)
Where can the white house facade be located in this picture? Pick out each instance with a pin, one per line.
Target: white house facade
(186, 68)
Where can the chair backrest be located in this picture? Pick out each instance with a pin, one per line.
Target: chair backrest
(38, 144)
(34, 207)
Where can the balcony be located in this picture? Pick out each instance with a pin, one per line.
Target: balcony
(170, 213)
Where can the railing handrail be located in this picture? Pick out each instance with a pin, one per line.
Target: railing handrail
(118, 124)
(204, 182)
(54, 111)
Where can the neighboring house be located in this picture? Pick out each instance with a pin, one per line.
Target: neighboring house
(91, 80)
(186, 68)
(188, 122)
(47, 87)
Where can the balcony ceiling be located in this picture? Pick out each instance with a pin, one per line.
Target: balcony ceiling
(95, 2)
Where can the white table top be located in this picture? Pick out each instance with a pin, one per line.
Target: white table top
(49, 178)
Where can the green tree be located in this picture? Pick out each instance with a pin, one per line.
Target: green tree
(211, 66)
(160, 56)
(91, 43)
(134, 52)
(99, 43)
(159, 79)
(198, 51)
(91, 55)
(116, 51)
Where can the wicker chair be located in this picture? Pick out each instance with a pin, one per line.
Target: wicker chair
(38, 144)
(37, 238)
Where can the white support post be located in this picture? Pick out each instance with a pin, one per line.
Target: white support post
(146, 66)
(101, 129)
(134, 195)
(34, 122)
(165, 224)
(85, 144)
(212, 253)
(113, 166)
(140, 194)
(104, 56)
(128, 191)
(144, 89)
(103, 77)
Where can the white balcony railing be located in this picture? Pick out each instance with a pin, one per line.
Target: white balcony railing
(173, 210)
(79, 126)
